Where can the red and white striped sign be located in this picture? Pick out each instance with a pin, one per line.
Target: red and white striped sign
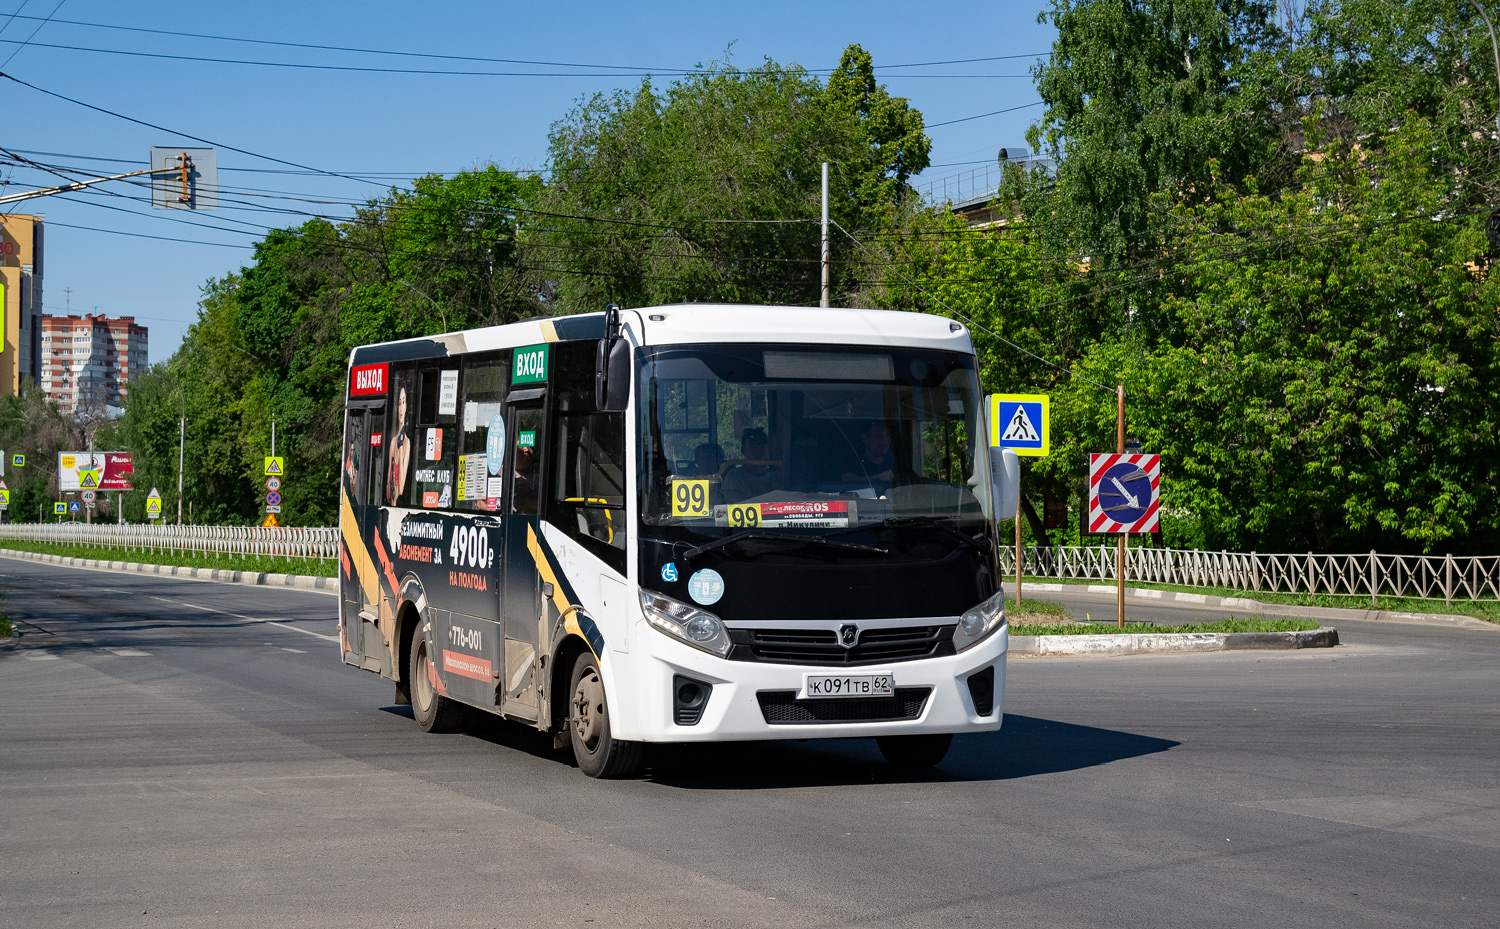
(1124, 486)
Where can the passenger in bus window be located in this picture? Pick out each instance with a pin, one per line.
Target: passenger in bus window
(523, 489)
(877, 464)
(708, 458)
(756, 476)
(400, 451)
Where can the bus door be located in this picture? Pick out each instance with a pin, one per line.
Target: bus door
(361, 481)
(521, 602)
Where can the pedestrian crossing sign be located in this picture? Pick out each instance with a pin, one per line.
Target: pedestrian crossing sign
(61, 509)
(1022, 423)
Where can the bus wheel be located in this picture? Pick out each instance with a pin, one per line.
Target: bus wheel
(914, 752)
(599, 754)
(432, 711)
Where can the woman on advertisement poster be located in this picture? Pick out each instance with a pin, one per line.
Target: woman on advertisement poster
(400, 450)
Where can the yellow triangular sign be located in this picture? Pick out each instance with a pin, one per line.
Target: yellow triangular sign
(273, 465)
(270, 522)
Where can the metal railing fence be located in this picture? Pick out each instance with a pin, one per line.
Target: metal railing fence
(280, 542)
(1429, 577)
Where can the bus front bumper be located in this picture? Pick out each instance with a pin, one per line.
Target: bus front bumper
(757, 700)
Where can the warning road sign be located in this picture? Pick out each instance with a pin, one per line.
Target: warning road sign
(274, 465)
(1124, 493)
(89, 480)
(4, 496)
(270, 521)
(1022, 423)
(153, 504)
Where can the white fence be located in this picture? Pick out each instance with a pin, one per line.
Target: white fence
(280, 542)
(1431, 577)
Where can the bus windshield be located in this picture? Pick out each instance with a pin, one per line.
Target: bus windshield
(811, 440)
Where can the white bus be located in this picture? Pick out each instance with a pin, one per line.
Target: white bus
(680, 523)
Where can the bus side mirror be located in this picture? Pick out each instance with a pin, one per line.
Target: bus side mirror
(612, 366)
(1005, 483)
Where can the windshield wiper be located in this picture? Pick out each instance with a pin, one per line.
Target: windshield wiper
(926, 520)
(756, 535)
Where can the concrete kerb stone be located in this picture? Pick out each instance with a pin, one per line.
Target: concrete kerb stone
(1141, 643)
(1270, 609)
(213, 575)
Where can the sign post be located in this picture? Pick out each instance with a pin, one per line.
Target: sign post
(1022, 423)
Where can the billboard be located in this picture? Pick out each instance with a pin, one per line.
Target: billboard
(94, 471)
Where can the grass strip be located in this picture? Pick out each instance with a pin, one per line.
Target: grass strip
(1479, 609)
(261, 564)
(1231, 624)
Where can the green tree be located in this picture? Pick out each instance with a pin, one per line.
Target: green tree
(1141, 95)
(1335, 387)
(709, 191)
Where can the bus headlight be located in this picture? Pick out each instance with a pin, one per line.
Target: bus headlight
(698, 628)
(979, 622)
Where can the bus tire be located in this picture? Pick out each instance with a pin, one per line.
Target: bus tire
(914, 752)
(432, 711)
(598, 752)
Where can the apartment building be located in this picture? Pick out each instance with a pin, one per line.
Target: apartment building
(20, 301)
(89, 361)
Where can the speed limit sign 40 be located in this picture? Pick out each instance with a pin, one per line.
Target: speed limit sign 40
(88, 496)
(273, 483)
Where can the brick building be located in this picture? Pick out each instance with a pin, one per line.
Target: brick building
(89, 361)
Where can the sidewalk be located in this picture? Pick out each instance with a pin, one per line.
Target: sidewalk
(217, 575)
(1263, 609)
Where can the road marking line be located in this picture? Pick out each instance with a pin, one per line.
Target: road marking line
(295, 651)
(41, 656)
(130, 653)
(253, 619)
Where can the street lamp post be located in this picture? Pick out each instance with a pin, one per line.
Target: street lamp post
(440, 310)
(1495, 47)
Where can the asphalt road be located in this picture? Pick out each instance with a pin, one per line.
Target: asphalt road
(179, 753)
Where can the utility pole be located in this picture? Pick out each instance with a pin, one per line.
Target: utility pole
(181, 443)
(827, 293)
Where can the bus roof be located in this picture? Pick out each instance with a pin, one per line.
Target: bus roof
(687, 323)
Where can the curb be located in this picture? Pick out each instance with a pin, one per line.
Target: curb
(214, 575)
(1148, 642)
(1266, 609)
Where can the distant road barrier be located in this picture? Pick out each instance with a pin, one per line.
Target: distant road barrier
(1430, 577)
(279, 542)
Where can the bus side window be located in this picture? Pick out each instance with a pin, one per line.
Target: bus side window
(587, 489)
(482, 412)
(434, 451)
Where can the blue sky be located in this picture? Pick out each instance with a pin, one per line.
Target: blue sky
(390, 127)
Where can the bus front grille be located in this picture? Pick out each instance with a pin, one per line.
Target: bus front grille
(782, 708)
(821, 646)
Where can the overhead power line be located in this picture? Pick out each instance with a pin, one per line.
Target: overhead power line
(370, 69)
(476, 58)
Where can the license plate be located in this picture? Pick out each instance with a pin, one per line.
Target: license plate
(820, 686)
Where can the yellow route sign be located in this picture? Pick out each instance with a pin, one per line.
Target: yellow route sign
(274, 465)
